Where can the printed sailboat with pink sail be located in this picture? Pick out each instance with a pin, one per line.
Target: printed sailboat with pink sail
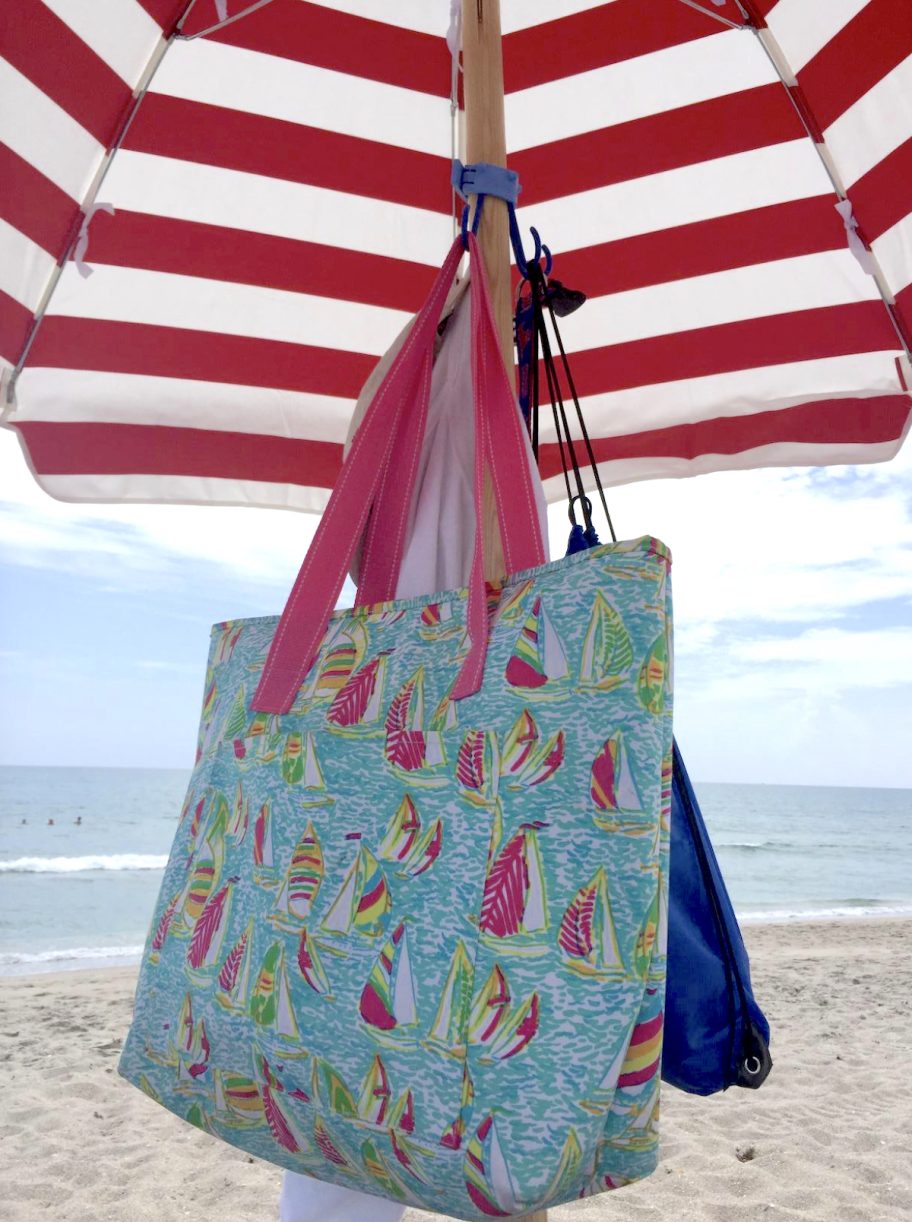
(407, 844)
(240, 816)
(191, 1048)
(388, 1006)
(278, 1115)
(526, 761)
(488, 1179)
(301, 883)
(614, 791)
(208, 935)
(411, 751)
(478, 767)
(363, 902)
(311, 967)
(264, 871)
(635, 1065)
(342, 653)
(438, 623)
(374, 1100)
(497, 1026)
(233, 991)
(514, 905)
(357, 705)
(587, 936)
(537, 668)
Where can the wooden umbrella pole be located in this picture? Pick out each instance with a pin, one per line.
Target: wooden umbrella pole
(483, 92)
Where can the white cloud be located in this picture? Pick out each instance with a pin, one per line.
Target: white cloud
(784, 671)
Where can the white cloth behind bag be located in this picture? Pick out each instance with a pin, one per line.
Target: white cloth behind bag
(438, 556)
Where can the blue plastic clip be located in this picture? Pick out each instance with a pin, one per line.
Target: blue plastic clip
(485, 179)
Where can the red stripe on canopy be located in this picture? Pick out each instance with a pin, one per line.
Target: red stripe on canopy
(881, 197)
(165, 12)
(15, 324)
(805, 336)
(761, 235)
(176, 352)
(45, 49)
(33, 204)
(341, 42)
(597, 37)
(109, 449)
(188, 248)
(862, 53)
(834, 422)
(719, 127)
(214, 135)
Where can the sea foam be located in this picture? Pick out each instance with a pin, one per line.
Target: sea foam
(78, 865)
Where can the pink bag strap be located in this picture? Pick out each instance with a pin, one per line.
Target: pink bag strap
(395, 421)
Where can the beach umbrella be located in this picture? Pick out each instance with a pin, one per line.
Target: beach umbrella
(215, 216)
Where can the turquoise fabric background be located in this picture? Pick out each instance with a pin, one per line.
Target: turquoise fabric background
(417, 947)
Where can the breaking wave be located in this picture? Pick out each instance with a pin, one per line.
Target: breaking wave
(79, 865)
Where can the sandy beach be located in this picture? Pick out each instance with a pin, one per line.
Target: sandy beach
(828, 1138)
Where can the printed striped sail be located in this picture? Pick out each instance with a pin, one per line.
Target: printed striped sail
(675, 175)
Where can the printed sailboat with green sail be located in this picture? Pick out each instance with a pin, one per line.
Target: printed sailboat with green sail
(453, 1134)
(488, 1179)
(270, 1001)
(514, 905)
(206, 873)
(301, 883)
(587, 935)
(407, 844)
(537, 668)
(566, 1178)
(237, 1100)
(329, 1090)
(607, 654)
(374, 1100)
(363, 903)
(388, 1006)
(448, 1030)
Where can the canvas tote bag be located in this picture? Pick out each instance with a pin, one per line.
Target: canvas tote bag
(411, 936)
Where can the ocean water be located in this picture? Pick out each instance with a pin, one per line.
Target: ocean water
(81, 895)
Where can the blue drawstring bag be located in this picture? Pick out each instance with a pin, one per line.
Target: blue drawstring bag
(716, 1035)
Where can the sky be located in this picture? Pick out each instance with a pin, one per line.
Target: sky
(793, 618)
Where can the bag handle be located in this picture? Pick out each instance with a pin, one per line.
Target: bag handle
(397, 414)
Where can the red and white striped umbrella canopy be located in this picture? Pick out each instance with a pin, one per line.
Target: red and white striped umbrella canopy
(281, 198)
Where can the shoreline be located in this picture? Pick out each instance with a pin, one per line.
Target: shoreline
(131, 957)
(824, 1139)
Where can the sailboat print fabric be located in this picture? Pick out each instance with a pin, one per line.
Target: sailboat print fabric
(416, 946)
